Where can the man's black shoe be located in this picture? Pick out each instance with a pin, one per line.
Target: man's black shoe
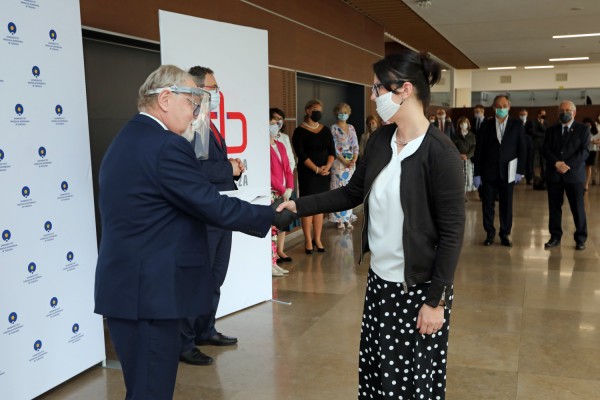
(552, 243)
(218, 340)
(505, 241)
(580, 246)
(195, 357)
(488, 242)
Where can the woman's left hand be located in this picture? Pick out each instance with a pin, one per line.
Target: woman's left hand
(430, 319)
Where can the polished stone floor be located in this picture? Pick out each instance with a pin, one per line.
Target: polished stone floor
(525, 322)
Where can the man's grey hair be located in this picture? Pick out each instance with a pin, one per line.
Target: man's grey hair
(570, 103)
(164, 76)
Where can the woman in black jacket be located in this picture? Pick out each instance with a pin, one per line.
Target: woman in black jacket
(410, 180)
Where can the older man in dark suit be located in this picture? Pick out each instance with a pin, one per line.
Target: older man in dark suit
(566, 149)
(155, 203)
(500, 141)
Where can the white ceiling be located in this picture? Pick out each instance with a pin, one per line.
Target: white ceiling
(516, 32)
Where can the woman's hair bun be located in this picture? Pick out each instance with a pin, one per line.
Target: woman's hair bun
(431, 69)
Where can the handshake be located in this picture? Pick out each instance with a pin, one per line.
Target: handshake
(284, 217)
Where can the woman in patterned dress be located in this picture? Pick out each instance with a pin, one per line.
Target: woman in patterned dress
(346, 154)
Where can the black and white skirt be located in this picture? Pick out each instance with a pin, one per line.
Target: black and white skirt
(396, 361)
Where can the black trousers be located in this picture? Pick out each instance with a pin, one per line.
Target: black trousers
(504, 190)
(556, 196)
(529, 160)
(538, 156)
(149, 354)
(203, 326)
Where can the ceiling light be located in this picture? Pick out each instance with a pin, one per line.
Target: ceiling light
(424, 4)
(569, 59)
(496, 68)
(575, 36)
(539, 67)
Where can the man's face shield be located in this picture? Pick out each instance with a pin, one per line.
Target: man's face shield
(198, 97)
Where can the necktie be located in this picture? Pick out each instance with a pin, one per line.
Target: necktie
(442, 125)
(565, 130)
(478, 123)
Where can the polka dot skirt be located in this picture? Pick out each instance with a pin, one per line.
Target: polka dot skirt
(395, 360)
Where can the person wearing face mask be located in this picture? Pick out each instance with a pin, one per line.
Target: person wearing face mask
(278, 115)
(478, 119)
(410, 180)
(314, 147)
(282, 185)
(501, 140)
(346, 155)
(223, 173)
(444, 123)
(372, 126)
(566, 149)
(155, 204)
(539, 162)
(527, 124)
(465, 142)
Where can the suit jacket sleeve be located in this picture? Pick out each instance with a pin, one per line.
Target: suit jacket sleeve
(577, 155)
(187, 188)
(217, 171)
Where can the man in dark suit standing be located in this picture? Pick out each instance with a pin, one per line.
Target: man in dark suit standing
(566, 149)
(528, 125)
(222, 172)
(501, 140)
(478, 119)
(154, 204)
(444, 124)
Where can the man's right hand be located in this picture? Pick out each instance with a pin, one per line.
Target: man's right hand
(236, 167)
(476, 182)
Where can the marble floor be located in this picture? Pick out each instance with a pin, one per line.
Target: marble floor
(525, 322)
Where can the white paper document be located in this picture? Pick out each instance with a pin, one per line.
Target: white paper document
(512, 170)
(251, 196)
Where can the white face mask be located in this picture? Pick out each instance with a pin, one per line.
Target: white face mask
(523, 118)
(273, 130)
(386, 108)
(464, 126)
(215, 100)
(442, 116)
(478, 115)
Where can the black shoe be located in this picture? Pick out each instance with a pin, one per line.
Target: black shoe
(552, 243)
(309, 251)
(580, 246)
(284, 259)
(488, 241)
(195, 357)
(319, 249)
(504, 241)
(218, 340)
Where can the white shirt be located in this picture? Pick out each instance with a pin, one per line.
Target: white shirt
(285, 139)
(386, 217)
(156, 119)
(500, 127)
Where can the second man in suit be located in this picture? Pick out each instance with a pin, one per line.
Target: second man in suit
(566, 149)
(221, 172)
(500, 141)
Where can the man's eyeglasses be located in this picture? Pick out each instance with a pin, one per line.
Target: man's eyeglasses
(376, 86)
(196, 106)
(211, 87)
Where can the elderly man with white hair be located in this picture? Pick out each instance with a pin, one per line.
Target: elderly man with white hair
(565, 150)
(155, 204)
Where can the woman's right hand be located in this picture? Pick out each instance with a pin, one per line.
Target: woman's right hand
(290, 205)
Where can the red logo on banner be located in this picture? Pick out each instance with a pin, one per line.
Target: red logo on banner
(233, 115)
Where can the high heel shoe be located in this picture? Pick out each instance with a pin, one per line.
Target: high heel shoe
(319, 249)
(309, 251)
